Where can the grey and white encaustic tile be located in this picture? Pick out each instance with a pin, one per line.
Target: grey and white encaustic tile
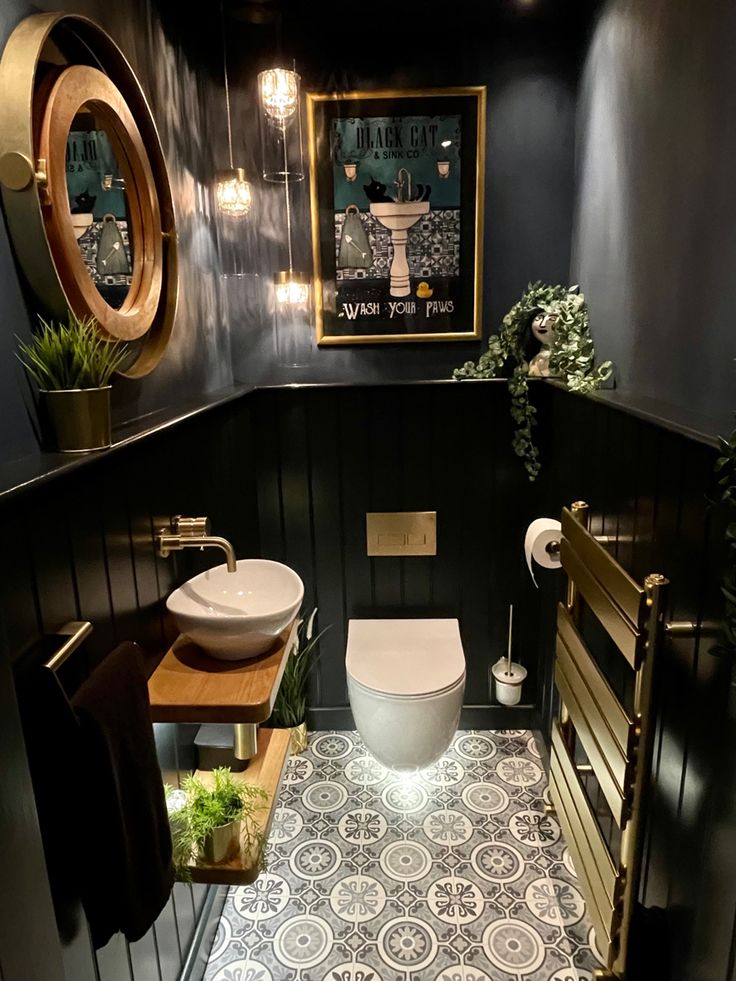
(453, 874)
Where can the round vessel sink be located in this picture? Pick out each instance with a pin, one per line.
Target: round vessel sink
(234, 615)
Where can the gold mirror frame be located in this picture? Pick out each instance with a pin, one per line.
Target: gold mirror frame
(33, 180)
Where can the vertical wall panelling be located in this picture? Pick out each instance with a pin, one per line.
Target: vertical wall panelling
(652, 490)
(113, 960)
(329, 564)
(29, 945)
(82, 547)
(324, 458)
(289, 474)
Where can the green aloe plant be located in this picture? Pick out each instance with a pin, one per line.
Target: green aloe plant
(73, 355)
(290, 707)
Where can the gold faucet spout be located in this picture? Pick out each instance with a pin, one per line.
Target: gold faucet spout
(168, 541)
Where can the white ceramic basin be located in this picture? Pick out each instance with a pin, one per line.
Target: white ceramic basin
(397, 215)
(234, 615)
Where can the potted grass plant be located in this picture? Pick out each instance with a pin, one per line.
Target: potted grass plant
(290, 707)
(71, 364)
(216, 821)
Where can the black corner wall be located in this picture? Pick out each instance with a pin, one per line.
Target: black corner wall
(654, 242)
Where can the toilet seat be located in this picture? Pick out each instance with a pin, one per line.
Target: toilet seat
(405, 658)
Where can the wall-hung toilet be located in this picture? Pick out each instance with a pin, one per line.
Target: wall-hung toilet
(406, 680)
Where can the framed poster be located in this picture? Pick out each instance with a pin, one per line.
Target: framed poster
(397, 214)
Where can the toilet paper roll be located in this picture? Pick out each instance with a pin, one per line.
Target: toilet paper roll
(538, 536)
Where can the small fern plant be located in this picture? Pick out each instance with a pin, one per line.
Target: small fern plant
(73, 355)
(572, 357)
(212, 807)
(290, 707)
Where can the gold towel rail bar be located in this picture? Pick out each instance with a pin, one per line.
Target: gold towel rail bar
(73, 633)
(596, 736)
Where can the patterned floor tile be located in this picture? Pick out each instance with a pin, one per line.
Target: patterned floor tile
(453, 874)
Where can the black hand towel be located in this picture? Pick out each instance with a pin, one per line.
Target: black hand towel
(52, 742)
(127, 868)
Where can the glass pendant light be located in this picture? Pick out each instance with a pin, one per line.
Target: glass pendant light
(279, 89)
(282, 149)
(232, 190)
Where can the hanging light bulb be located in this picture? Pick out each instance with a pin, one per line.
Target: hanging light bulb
(292, 288)
(233, 192)
(279, 90)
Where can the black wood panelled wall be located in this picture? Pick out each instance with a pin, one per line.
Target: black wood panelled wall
(289, 474)
(323, 458)
(81, 547)
(651, 492)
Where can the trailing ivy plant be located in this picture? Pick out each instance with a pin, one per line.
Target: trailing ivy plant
(571, 358)
(726, 470)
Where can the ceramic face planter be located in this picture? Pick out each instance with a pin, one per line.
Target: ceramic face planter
(543, 329)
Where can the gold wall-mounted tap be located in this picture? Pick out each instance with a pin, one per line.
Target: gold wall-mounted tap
(192, 533)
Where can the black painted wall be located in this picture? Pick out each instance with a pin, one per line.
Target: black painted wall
(528, 56)
(654, 244)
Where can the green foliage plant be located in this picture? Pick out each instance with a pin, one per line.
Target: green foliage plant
(73, 355)
(208, 808)
(726, 470)
(290, 707)
(572, 357)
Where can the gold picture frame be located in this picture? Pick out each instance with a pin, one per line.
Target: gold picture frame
(387, 293)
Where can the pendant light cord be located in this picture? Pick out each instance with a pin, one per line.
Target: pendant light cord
(288, 201)
(227, 87)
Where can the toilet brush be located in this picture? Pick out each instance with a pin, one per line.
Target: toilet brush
(507, 674)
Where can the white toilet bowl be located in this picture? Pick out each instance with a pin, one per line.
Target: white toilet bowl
(406, 680)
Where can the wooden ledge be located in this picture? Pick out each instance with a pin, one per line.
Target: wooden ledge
(190, 686)
(264, 770)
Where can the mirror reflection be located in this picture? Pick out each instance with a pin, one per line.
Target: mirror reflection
(99, 207)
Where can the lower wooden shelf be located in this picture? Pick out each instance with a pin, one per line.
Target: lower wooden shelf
(264, 770)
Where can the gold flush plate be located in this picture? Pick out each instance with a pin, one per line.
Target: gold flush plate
(401, 532)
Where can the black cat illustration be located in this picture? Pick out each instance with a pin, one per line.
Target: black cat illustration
(376, 192)
(85, 202)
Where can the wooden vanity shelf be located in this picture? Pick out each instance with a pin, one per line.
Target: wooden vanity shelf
(264, 770)
(190, 686)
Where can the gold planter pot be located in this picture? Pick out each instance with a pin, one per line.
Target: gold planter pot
(221, 843)
(299, 738)
(77, 420)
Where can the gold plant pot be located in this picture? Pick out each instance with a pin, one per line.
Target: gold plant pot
(77, 420)
(221, 843)
(299, 738)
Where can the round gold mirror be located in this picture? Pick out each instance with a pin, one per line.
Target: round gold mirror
(84, 184)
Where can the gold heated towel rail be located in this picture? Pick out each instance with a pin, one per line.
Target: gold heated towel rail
(615, 740)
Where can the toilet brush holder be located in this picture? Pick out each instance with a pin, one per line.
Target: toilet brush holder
(508, 678)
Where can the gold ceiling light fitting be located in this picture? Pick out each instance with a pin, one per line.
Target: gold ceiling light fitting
(233, 192)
